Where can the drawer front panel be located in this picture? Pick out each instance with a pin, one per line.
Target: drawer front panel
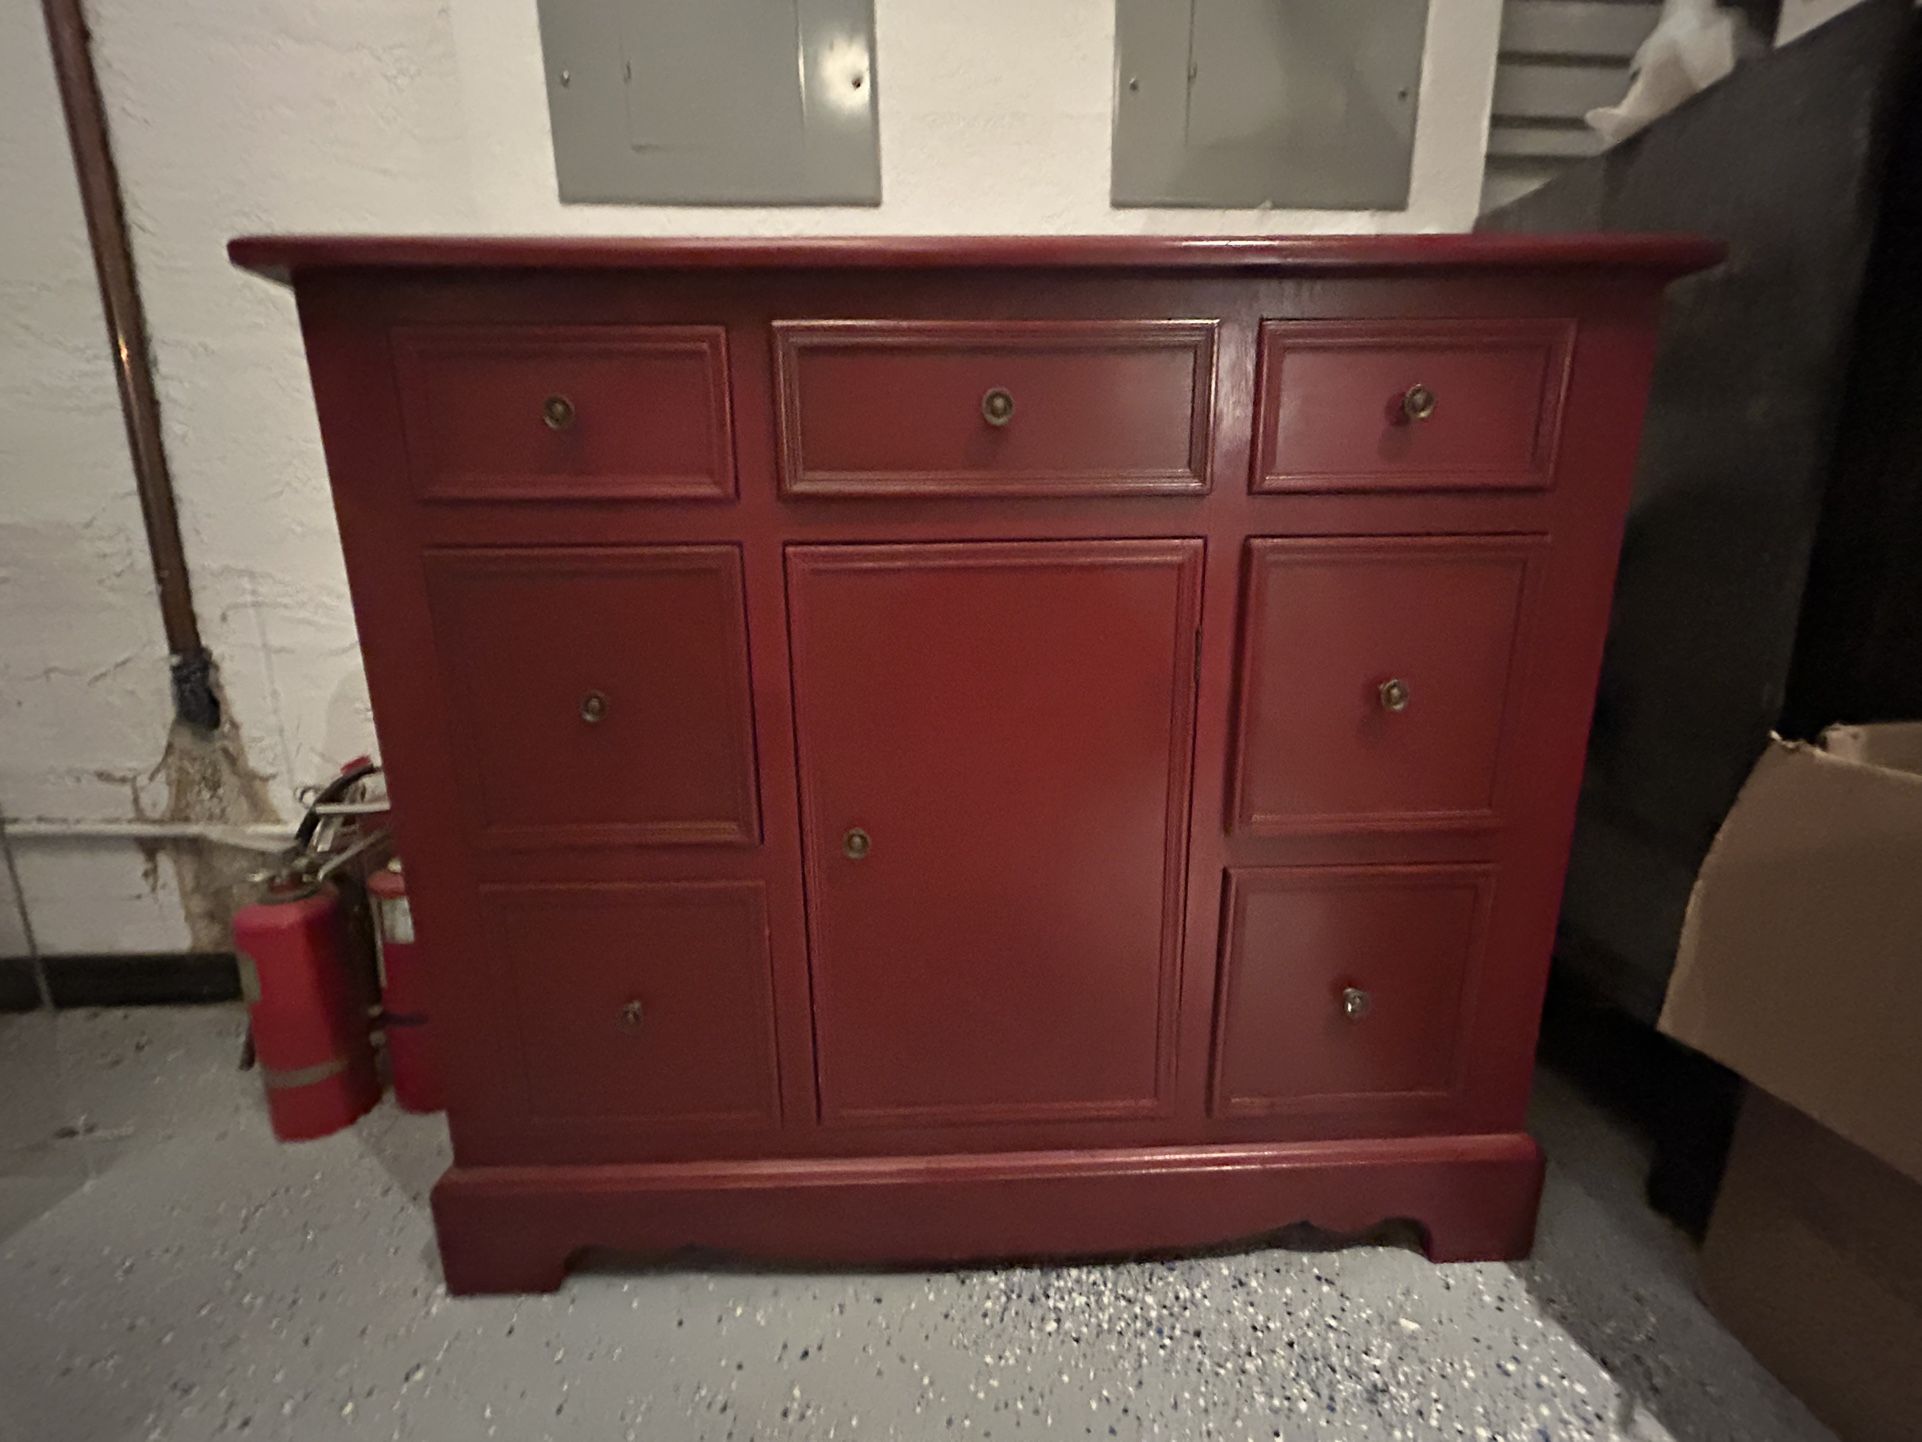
(1377, 679)
(600, 694)
(1415, 405)
(995, 746)
(994, 408)
(1347, 986)
(566, 412)
(651, 1003)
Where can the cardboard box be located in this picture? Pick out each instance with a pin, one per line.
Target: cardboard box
(1800, 962)
(1800, 967)
(1814, 1261)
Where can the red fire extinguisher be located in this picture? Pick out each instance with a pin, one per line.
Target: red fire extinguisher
(308, 1009)
(403, 989)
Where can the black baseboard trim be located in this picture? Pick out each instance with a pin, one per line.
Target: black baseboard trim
(164, 978)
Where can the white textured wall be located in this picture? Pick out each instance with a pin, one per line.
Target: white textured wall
(83, 677)
(358, 115)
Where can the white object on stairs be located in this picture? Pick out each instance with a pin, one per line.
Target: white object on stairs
(1693, 45)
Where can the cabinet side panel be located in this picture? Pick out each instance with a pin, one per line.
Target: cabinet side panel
(345, 324)
(1557, 672)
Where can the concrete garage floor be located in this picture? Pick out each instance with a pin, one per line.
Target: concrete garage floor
(207, 1283)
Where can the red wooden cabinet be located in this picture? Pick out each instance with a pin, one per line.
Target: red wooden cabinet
(916, 750)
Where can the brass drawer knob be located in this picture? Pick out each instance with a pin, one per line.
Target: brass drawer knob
(631, 1015)
(997, 406)
(856, 843)
(1394, 694)
(593, 706)
(1355, 1003)
(1418, 403)
(558, 413)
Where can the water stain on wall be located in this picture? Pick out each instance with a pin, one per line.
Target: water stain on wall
(209, 779)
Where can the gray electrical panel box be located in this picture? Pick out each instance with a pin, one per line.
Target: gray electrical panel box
(716, 102)
(1284, 103)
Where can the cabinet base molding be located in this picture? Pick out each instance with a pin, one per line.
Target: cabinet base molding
(517, 1228)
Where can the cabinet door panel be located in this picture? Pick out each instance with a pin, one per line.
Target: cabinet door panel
(603, 693)
(1010, 728)
(1347, 986)
(1376, 681)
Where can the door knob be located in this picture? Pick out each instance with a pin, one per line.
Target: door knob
(557, 413)
(1394, 694)
(855, 844)
(1355, 1003)
(997, 406)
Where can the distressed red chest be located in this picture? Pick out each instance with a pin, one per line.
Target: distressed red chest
(921, 750)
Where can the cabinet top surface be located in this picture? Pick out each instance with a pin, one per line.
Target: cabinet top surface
(285, 257)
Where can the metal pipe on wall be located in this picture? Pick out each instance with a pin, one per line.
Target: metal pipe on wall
(195, 701)
(263, 836)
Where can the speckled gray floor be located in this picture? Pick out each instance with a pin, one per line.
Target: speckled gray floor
(172, 1274)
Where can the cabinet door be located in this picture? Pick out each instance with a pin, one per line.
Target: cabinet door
(995, 745)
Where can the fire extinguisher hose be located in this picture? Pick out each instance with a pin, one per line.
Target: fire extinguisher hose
(333, 791)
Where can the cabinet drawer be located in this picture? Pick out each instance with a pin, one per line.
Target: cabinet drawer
(1376, 681)
(566, 412)
(1410, 405)
(1347, 986)
(600, 694)
(1003, 408)
(650, 1002)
